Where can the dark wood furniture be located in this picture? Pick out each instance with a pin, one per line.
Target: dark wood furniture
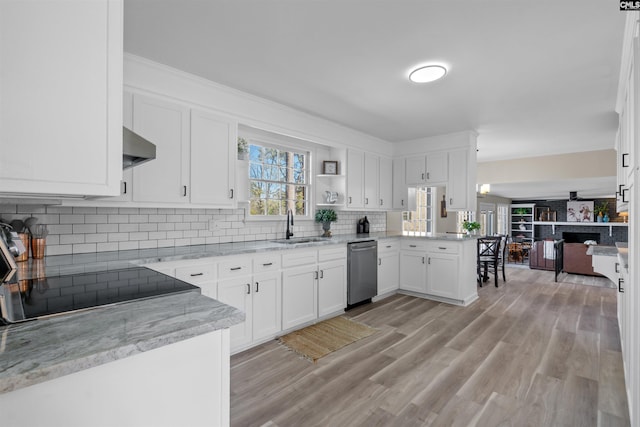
(550, 259)
(576, 260)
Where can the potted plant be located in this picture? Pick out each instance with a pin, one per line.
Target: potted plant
(243, 148)
(471, 227)
(601, 210)
(326, 217)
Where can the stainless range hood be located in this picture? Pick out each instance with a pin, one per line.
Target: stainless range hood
(135, 149)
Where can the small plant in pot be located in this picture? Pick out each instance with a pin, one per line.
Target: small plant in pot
(243, 148)
(326, 217)
(471, 227)
(601, 210)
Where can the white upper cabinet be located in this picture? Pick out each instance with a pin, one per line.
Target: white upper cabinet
(355, 179)
(165, 124)
(385, 183)
(195, 155)
(400, 192)
(213, 154)
(371, 176)
(462, 177)
(61, 92)
(430, 169)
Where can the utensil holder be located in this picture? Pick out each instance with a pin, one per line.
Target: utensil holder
(37, 248)
(25, 241)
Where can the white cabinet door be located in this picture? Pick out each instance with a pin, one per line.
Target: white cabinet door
(388, 271)
(332, 287)
(371, 178)
(443, 275)
(236, 292)
(166, 124)
(213, 159)
(61, 92)
(413, 272)
(267, 304)
(457, 188)
(299, 296)
(400, 193)
(415, 168)
(437, 168)
(355, 179)
(385, 183)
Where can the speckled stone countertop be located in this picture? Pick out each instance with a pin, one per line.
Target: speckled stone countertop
(101, 261)
(602, 250)
(41, 350)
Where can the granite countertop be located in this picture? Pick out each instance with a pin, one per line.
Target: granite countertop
(41, 350)
(598, 250)
(59, 265)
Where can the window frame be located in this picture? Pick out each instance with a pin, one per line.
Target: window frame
(282, 146)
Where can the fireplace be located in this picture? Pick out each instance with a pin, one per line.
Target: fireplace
(570, 237)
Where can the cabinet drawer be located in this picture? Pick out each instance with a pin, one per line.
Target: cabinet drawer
(331, 254)
(266, 262)
(414, 245)
(197, 273)
(234, 267)
(294, 258)
(443, 247)
(388, 245)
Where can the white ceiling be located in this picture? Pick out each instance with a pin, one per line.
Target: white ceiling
(531, 77)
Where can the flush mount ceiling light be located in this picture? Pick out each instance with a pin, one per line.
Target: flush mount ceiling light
(428, 73)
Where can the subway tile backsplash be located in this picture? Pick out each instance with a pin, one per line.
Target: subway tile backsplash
(76, 230)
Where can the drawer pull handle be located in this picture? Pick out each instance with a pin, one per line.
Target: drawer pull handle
(235, 268)
(379, 261)
(267, 264)
(248, 288)
(624, 157)
(184, 192)
(620, 288)
(257, 287)
(442, 247)
(196, 274)
(413, 246)
(322, 274)
(616, 267)
(388, 246)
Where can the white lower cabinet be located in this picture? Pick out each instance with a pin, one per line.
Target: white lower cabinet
(413, 272)
(236, 292)
(332, 287)
(267, 304)
(388, 266)
(442, 275)
(440, 269)
(299, 295)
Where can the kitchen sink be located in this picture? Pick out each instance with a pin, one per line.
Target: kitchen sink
(299, 240)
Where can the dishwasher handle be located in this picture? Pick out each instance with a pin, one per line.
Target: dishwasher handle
(367, 248)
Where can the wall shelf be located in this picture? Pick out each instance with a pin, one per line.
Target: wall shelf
(583, 224)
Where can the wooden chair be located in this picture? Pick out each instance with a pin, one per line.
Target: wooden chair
(488, 255)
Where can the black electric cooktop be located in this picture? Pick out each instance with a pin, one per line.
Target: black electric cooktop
(37, 298)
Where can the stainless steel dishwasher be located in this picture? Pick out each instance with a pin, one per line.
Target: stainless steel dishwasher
(362, 271)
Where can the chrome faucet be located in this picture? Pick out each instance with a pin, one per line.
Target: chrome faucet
(289, 221)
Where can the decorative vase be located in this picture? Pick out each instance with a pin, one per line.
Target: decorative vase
(605, 218)
(326, 226)
(599, 218)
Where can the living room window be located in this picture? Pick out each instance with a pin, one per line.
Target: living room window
(278, 181)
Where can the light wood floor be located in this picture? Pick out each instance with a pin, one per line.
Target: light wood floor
(529, 353)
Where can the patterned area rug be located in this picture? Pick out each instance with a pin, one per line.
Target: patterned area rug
(316, 341)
